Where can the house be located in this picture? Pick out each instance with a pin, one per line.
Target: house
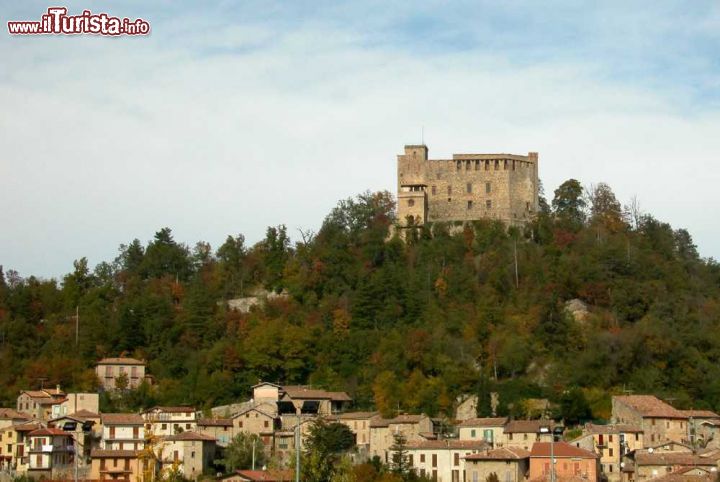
(659, 421)
(109, 370)
(9, 417)
(524, 433)
(81, 427)
(76, 402)
(383, 431)
(260, 476)
(50, 453)
(611, 442)
(441, 460)
(359, 423)
(256, 421)
(510, 464)
(37, 404)
(300, 399)
(194, 452)
(703, 427)
(115, 465)
(220, 428)
(688, 474)
(14, 446)
(163, 421)
(122, 431)
(651, 464)
(571, 462)
(490, 430)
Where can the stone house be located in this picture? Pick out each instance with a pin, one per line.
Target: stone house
(524, 433)
(164, 421)
(571, 462)
(115, 465)
(82, 428)
(441, 460)
(260, 476)
(194, 451)
(258, 422)
(382, 431)
(122, 431)
(221, 429)
(76, 402)
(300, 399)
(37, 404)
(703, 427)
(510, 464)
(9, 417)
(659, 421)
(50, 453)
(491, 430)
(359, 423)
(611, 442)
(651, 463)
(108, 370)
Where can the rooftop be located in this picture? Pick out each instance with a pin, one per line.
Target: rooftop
(121, 419)
(504, 453)
(121, 361)
(183, 436)
(650, 406)
(484, 422)
(560, 449)
(215, 422)
(447, 444)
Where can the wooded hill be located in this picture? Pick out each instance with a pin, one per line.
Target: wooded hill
(399, 325)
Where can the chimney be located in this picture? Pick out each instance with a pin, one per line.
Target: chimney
(57, 388)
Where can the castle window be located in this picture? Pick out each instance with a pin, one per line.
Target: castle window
(497, 164)
(527, 206)
(449, 199)
(411, 202)
(505, 164)
(488, 188)
(469, 187)
(513, 165)
(449, 190)
(469, 204)
(458, 165)
(477, 164)
(467, 165)
(487, 164)
(434, 190)
(488, 204)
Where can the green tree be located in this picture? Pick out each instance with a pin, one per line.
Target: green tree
(569, 204)
(238, 454)
(399, 458)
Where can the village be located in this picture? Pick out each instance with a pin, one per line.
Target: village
(53, 435)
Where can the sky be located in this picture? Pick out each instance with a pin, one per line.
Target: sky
(232, 116)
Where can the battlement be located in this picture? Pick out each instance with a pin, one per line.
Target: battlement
(467, 187)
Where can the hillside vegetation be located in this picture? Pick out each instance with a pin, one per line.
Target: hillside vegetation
(399, 325)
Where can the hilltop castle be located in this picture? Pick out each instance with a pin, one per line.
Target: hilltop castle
(467, 187)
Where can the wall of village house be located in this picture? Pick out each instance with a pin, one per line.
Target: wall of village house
(361, 429)
(223, 434)
(193, 455)
(253, 422)
(564, 468)
(506, 470)
(74, 402)
(524, 440)
(130, 465)
(108, 374)
(123, 437)
(266, 393)
(494, 437)
(441, 465)
(163, 424)
(382, 438)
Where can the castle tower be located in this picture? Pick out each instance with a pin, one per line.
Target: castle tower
(467, 187)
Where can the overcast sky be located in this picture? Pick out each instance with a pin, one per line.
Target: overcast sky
(236, 115)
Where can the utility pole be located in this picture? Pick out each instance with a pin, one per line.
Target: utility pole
(297, 449)
(77, 324)
(253, 452)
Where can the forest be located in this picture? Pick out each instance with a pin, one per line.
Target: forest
(401, 321)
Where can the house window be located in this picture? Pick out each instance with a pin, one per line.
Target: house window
(192, 454)
(610, 452)
(265, 424)
(469, 205)
(475, 476)
(637, 437)
(510, 436)
(410, 458)
(472, 433)
(187, 426)
(488, 205)
(469, 187)
(434, 460)
(411, 202)
(422, 458)
(525, 436)
(488, 188)
(163, 426)
(456, 459)
(434, 190)
(240, 424)
(108, 371)
(610, 438)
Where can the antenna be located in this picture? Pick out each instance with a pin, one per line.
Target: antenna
(422, 135)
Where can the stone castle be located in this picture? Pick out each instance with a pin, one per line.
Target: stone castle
(467, 187)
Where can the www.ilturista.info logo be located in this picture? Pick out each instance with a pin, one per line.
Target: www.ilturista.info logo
(57, 21)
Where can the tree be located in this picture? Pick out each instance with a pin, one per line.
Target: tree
(605, 208)
(484, 403)
(569, 204)
(399, 458)
(574, 407)
(239, 452)
(492, 477)
(329, 438)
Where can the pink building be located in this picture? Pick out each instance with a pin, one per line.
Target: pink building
(571, 463)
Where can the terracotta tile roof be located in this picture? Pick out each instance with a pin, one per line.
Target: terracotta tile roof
(121, 361)
(121, 419)
(673, 458)
(102, 454)
(182, 436)
(302, 392)
(447, 444)
(26, 427)
(650, 406)
(484, 422)
(251, 409)
(36, 393)
(560, 449)
(264, 475)
(400, 419)
(357, 415)
(12, 414)
(687, 474)
(85, 414)
(504, 453)
(48, 431)
(700, 413)
(215, 422)
(528, 426)
(613, 428)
